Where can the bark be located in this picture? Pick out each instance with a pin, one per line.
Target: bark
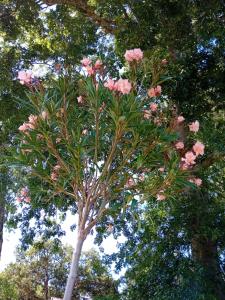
(82, 6)
(74, 268)
(205, 253)
(2, 220)
(46, 285)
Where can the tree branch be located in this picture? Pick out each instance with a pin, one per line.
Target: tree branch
(82, 6)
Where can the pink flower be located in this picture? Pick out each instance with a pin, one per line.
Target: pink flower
(58, 67)
(25, 77)
(44, 115)
(27, 199)
(199, 148)
(19, 199)
(180, 119)
(164, 62)
(141, 177)
(179, 145)
(102, 107)
(110, 84)
(134, 54)
(198, 181)
(80, 100)
(189, 158)
(90, 70)
(98, 64)
(157, 121)
(85, 61)
(154, 92)
(153, 107)
(160, 196)
(147, 114)
(123, 86)
(56, 168)
(24, 192)
(24, 127)
(130, 183)
(32, 121)
(110, 228)
(85, 132)
(162, 169)
(129, 55)
(194, 126)
(40, 137)
(54, 176)
(138, 54)
(184, 166)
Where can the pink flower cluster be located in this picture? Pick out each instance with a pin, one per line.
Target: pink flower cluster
(153, 107)
(122, 85)
(80, 100)
(164, 61)
(25, 77)
(130, 183)
(87, 64)
(29, 125)
(180, 119)
(196, 181)
(194, 126)
(32, 122)
(161, 196)
(23, 196)
(155, 92)
(133, 55)
(179, 145)
(190, 156)
(148, 113)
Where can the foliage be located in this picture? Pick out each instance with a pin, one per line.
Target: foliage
(91, 161)
(7, 289)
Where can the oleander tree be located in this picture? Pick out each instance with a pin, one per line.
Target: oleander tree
(108, 142)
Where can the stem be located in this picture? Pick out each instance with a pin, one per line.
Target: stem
(74, 267)
(96, 139)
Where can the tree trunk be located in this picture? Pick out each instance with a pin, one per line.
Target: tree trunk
(205, 253)
(46, 285)
(74, 267)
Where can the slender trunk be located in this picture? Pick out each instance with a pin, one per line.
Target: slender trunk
(74, 268)
(2, 221)
(46, 285)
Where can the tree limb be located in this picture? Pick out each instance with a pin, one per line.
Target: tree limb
(82, 6)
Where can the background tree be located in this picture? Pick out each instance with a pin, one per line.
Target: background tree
(41, 272)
